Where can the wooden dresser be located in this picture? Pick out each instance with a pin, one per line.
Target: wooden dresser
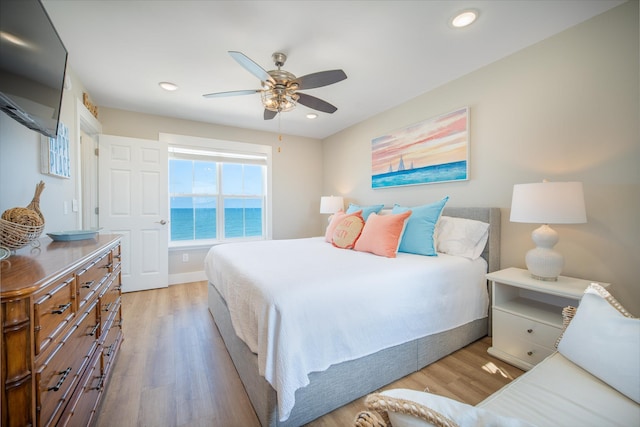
(61, 330)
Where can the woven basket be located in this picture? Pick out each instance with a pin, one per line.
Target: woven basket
(15, 236)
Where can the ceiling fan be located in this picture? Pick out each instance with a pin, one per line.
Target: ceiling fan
(279, 91)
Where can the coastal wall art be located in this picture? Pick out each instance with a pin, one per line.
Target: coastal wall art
(55, 158)
(433, 151)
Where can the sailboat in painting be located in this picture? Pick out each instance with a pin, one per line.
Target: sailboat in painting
(401, 165)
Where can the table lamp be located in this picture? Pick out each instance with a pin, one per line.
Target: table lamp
(547, 203)
(331, 204)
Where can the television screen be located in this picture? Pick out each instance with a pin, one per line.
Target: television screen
(32, 65)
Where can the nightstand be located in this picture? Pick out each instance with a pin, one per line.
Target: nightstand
(527, 314)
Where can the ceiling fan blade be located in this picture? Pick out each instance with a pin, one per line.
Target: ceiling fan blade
(251, 66)
(231, 93)
(322, 78)
(316, 103)
(268, 114)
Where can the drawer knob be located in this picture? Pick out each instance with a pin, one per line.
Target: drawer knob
(64, 374)
(530, 353)
(107, 307)
(529, 331)
(61, 309)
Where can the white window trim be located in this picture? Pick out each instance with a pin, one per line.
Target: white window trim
(251, 151)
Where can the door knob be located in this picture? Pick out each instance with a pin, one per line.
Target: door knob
(161, 222)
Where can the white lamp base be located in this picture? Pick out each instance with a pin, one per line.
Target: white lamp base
(543, 262)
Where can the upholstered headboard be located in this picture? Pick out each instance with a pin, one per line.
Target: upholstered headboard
(491, 216)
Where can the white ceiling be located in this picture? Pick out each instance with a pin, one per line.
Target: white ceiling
(391, 51)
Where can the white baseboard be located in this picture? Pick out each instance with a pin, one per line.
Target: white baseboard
(193, 276)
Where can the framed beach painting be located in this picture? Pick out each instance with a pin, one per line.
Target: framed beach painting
(433, 151)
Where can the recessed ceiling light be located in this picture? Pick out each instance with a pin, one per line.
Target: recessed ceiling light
(168, 86)
(464, 18)
(312, 116)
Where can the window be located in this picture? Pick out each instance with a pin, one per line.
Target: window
(217, 195)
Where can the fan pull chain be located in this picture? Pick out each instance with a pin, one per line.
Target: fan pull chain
(279, 127)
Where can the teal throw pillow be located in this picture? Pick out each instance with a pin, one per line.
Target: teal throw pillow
(366, 210)
(418, 234)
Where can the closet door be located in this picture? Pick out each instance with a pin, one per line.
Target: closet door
(134, 203)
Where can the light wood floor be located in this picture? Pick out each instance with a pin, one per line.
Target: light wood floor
(173, 369)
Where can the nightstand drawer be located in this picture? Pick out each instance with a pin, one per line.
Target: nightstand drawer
(524, 351)
(509, 327)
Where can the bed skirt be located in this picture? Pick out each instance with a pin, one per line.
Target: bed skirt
(340, 383)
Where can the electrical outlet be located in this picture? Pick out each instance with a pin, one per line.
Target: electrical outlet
(185, 257)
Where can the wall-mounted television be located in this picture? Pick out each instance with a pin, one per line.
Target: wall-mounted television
(33, 61)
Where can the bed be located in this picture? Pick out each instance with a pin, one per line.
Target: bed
(291, 383)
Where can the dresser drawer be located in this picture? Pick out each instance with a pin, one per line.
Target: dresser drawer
(52, 311)
(92, 276)
(116, 257)
(110, 298)
(112, 339)
(82, 409)
(59, 373)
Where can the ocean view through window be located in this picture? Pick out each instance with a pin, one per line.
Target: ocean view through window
(214, 197)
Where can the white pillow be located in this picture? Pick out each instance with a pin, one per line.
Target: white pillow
(461, 236)
(462, 414)
(604, 340)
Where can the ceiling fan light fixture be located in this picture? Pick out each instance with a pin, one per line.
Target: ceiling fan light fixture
(464, 18)
(312, 116)
(168, 86)
(279, 100)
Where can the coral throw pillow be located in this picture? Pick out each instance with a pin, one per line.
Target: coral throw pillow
(382, 233)
(335, 220)
(347, 232)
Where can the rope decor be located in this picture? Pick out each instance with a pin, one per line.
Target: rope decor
(21, 226)
(600, 290)
(567, 315)
(383, 404)
(368, 419)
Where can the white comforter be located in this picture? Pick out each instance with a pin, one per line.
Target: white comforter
(303, 305)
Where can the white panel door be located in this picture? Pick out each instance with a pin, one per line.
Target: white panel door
(134, 203)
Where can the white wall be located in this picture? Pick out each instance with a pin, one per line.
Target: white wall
(296, 180)
(564, 109)
(20, 167)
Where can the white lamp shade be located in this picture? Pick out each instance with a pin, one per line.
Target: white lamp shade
(548, 203)
(331, 204)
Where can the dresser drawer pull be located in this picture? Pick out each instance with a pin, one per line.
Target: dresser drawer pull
(109, 350)
(61, 380)
(107, 265)
(107, 307)
(118, 256)
(529, 331)
(88, 284)
(61, 308)
(94, 330)
(100, 383)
